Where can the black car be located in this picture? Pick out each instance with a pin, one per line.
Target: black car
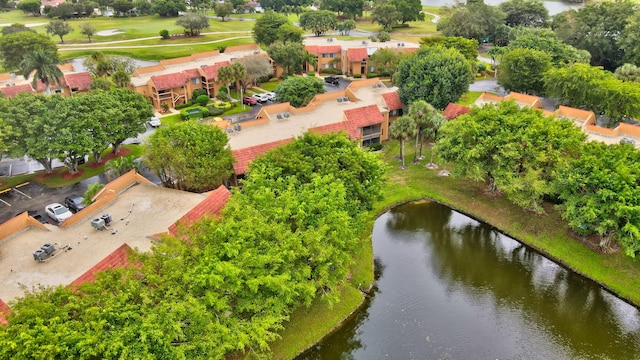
(74, 203)
(332, 80)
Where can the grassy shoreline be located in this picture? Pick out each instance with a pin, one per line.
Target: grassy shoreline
(547, 234)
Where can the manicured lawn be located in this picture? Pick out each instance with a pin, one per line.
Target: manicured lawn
(237, 110)
(14, 180)
(17, 16)
(270, 85)
(171, 119)
(469, 98)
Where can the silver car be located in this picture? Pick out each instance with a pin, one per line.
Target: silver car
(58, 212)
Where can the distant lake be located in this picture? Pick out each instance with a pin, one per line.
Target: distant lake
(554, 7)
(79, 66)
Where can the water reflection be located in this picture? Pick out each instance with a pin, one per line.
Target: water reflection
(451, 287)
(554, 7)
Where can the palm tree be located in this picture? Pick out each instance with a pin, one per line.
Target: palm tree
(45, 64)
(225, 75)
(239, 72)
(403, 129)
(121, 165)
(428, 121)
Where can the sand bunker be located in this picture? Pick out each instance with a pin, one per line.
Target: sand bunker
(109, 32)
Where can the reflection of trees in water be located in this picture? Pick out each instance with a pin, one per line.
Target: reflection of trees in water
(345, 341)
(478, 257)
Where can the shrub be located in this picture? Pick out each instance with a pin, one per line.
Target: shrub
(384, 36)
(202, 100)
(214, 111)
(222, 105)
(164, 34)
(375, 147)
(385, 73)
(222, 96)
(198, 92)
(482, 67)
(371, 75)
(182, 106)
(357, 76)
(194, 112)
(311, 73)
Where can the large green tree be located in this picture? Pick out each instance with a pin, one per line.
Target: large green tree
(257, 68)
(266, 28)
(471, 20)
(125, 114)
(386, 15)
(29, 6)
(190, 156)
(347, 8)
(87, 29)
(410, 10)
(386, 61)
(522, 70)
(546, 40)
(318, 21)
(600, 194)
(193, 24)
(434, 74)
(168, 8)
(515, 151)
(223, 9)
(629, 40)
(289, 55)
(596, 27)
(299, 90)
(467, 47)
(59, 28)
(13, 47)
(529, 13)
(42, 65)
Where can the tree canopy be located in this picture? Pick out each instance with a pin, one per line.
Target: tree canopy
(14, 46)
(348, 8)
(193, 24)
(522, 70)
(168, 8)
(190, 156)
(546, 40)
(59, 28)
(290, 55)
(318, 21)
(386, 15)
(434, 74)
(266, 28)
(409, 10)
(600, 194)
(515, 151)
(528, 13)
(467, 47)
(471, 20)
(299, 90)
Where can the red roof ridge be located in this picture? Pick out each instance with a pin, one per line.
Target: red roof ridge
(4, 311)
(211, 205)
(392, 99)
(454, 110)
(244, 156)
(117, 258)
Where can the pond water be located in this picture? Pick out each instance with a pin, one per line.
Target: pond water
(554, 7)
(78, 64)
(450, 287)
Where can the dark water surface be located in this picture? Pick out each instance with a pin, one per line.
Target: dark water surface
(450, 287)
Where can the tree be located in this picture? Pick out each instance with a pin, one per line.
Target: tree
(386, 61)
(299, 90)
(318, 21)
(168, 8)
(223, 9)
(467, 47)
(59, 28)
(386, 15)
(63, 11)
(15, 28)
(13, 47)
(628, 72)
(265, 30)
(88, 30)
(44, 66)
(384, 36)
(596, 27)
(289, 33)
(122, 7)
(289, 55)
(190, 156)
(121, 165)
(522, 70)
(403, 129)
(628, 41)
(600, 195)
(410, 10)
(101, 65)
(574, 85)
(473, 20)
(346, 26)
(125, 114)
(348, 8)
(257, 67)
(428, 121)
(547, 41)
(193, 23)
(143, 7)
(29, 6)
(226, 76)
(515, 151)
(121, 79)
(528, 13)
(436, 75)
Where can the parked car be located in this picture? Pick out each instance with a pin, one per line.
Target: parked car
(74, 203)
(625, 140)
(34, 214)
(261, 97)
(154, 122)
(334, 80)
(58, 212)
(271, 96)
(249, 100)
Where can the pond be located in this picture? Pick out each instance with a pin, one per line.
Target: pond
(554, 7)
(450, 287)
(78, 63)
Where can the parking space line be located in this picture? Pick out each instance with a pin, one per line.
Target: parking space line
(5, 202)
(21, 193)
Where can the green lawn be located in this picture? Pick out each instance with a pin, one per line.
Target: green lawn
(17, 16)
(171, 119)
(270, 85)
(469, 97)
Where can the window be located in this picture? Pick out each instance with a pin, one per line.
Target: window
(371, 141)
(332, 55)
(395, 112)
(324, 56)
(195, 81)
(371, 130)
(372, 68)
(325, 66)
(333, 66)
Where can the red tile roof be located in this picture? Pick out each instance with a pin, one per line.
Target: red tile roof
(169, 81)
(11, 91)
(453, 110)
(353, 133)
(357, 54)
(117, 258)
(4, 311)
(319, 49)
(245, 156)
(192, 73)
(211, 205)
(364, 116)
(312, 49)
(392, 100)
(79, 81)
(211, 71)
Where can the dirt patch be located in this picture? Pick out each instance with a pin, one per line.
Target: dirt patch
(593, 243)
(67, 175)
(44, 175)
(3, 183)
(109, 156)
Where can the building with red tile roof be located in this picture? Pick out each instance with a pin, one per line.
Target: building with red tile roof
(357, 54)
(5, 311)
(454, 110)
(78, 82)
(392, 100)
(244, 156)
(211, 205)
(117, 258)
(11, 91)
